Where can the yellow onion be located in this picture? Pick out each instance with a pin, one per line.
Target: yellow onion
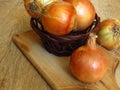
(109, 34)
(59, 18)
(85, 13)
(35, 7)
(89, 62)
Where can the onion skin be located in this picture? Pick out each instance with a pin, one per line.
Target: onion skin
(85, 13)
(35, 7)
(89, 63)
(109, 34)
(59, 18)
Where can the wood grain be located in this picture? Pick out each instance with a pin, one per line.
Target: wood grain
(16, 72)
(55, 69)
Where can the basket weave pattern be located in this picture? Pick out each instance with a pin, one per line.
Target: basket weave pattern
(63, 45)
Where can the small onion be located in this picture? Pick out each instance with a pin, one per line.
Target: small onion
(85, 13)
(58, 18)
(35, 7)
(89, 62)
(109, 34)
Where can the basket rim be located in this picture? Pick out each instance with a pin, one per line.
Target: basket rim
(38, 28)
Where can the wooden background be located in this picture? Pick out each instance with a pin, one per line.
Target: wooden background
(16, 72)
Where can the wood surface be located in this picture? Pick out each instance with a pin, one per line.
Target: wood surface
(16, 72)
(55, 70)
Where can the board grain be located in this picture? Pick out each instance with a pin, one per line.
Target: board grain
(55, 70)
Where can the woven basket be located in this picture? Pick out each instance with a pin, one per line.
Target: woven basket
(63, 45)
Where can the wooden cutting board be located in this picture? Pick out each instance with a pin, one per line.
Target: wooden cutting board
(55, 70)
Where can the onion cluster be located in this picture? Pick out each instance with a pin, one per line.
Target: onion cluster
(61, 17)
(88, 63)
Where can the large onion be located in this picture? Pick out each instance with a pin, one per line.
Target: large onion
(35, 7)
(89, 62)
(85, 13)
(58, 18)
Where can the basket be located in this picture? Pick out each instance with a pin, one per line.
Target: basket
(63, 45)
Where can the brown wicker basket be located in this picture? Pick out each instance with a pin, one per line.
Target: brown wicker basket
(63, 45)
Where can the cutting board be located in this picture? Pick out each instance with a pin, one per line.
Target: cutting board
(55, 70)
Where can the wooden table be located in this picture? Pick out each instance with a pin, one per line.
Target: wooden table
(16, 72)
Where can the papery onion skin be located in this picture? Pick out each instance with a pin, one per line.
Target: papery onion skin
(109, 34)
(89, 63)
(59, 18)
(35, 7)
(85, 13)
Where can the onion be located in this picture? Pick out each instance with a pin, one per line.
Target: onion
(85, 13)
(58, 18)
(109, 34)
(89, 62)
(35, 7)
